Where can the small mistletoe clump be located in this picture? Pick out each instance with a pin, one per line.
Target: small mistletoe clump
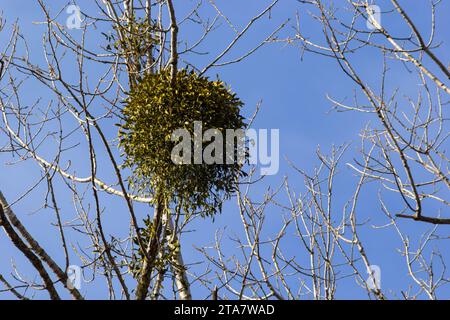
(157, 107)
(168, 251)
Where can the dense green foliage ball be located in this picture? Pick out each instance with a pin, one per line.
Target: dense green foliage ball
(157, 107)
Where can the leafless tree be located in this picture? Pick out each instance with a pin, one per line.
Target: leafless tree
(403, 150)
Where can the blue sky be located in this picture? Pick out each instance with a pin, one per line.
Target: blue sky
(293, 92)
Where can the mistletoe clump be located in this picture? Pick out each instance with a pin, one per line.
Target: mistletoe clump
(158, 106)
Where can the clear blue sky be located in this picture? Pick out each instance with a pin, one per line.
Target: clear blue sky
(293, 93)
